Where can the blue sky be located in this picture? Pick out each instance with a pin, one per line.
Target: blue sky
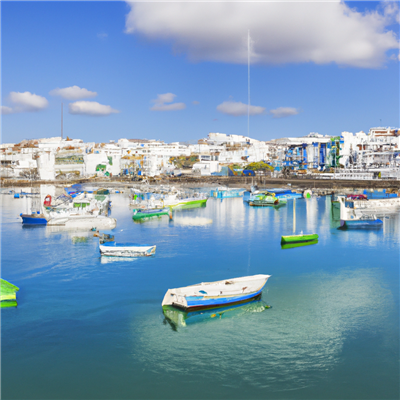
(316, 67)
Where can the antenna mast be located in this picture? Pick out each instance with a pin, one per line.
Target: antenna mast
(62, 121)
(248, 83)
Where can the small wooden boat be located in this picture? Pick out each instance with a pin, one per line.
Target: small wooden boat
(220, 293)
(33, 219)
(150, 212)
(225, 192)
(266, 199)
(8, 294)
(299, 238)
(126, 249)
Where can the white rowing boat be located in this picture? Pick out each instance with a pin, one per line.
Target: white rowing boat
(211, 294)
(126, 249)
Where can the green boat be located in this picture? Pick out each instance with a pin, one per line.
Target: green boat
(139, 214)
(8, 294)
(189, 203)
(299, 238)
(267, 199)
(298, 244)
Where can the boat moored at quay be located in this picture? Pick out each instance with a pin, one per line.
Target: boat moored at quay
(359, 213)
(33, 219)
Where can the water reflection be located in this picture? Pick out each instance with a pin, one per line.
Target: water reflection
(301, 338)
(178, 318)
(192, 221)
(111, 259)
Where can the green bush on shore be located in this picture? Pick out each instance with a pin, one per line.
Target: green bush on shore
(258, 166)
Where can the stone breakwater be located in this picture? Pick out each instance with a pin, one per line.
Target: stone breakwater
(317, 185)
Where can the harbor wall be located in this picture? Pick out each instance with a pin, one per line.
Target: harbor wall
(230, 181)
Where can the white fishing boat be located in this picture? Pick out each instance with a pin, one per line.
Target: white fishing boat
(212, 294)
(175, 200)
(114, 249)
(84, 210)
(362, 204)
(353, 215)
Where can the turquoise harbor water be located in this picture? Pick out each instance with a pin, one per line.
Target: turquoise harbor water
(87, 328)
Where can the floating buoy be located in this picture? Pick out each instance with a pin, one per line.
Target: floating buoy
(307, 194)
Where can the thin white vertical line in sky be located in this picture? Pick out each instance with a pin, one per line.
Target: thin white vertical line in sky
(248, 83)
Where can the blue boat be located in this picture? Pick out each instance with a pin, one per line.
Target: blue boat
(33, 219)
(220, 293)
(375, 194)
(364, 222)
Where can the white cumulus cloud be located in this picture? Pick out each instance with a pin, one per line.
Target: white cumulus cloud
(282, 112)
(73, 93)
(281, 32)
(237, 108)
(159, 103)
(6, 110)
(90, 108)
(27, 102)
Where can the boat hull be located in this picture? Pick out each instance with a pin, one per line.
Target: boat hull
(285, 246)
(263, 204)
(127, 251)
(142, 214)
(200, 304)
(299, 238)
(33, 219)
(8, 296)
(190, 204)
(377, 223)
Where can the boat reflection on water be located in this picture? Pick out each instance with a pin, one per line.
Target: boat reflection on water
(177, 318)
(336, 213)
(190, 206)
(291, 245)
(37, 226)
(80, 239)
(111, 259)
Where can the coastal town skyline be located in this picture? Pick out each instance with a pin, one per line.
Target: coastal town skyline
(136, 71)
